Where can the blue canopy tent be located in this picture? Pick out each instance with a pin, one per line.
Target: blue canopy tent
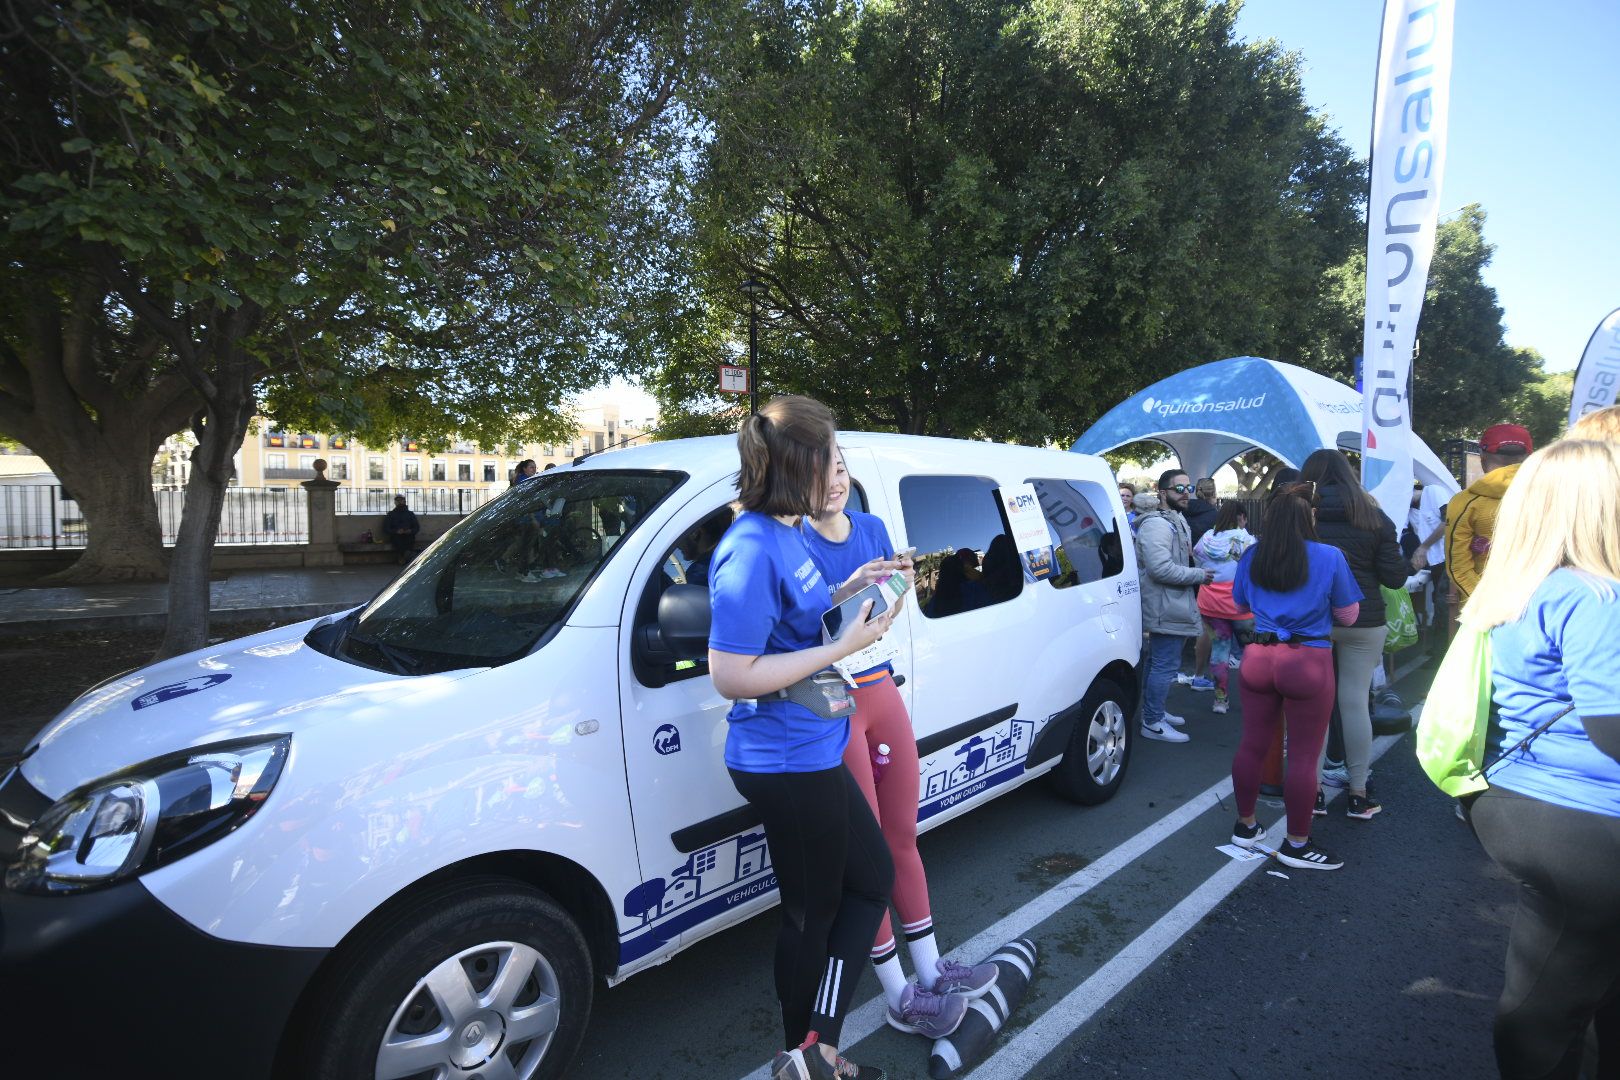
(1210, 414)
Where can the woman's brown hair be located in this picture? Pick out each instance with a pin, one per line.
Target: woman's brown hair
(786, 450)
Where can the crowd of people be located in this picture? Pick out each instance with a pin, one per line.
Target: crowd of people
(1295, 612)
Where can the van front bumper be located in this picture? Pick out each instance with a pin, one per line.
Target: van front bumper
(112, 983)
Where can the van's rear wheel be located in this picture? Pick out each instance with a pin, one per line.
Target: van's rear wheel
(492, 982)
(1093, 764)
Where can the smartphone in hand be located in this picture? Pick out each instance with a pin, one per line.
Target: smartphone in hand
(836, 618)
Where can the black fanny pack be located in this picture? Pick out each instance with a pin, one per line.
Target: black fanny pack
(1268, 637)
(825, 693)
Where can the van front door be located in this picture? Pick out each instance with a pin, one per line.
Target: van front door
(702, 851)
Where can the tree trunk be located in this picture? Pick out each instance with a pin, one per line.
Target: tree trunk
(225, 423)
(113, 488)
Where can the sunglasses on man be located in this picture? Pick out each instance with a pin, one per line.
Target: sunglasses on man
(1182, 489)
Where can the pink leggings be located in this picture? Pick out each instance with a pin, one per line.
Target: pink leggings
(1279, 684)
(880, 717)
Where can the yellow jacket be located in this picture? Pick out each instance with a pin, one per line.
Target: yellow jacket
(1471, 517)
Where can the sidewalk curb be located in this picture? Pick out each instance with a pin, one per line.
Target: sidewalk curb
(156, 620)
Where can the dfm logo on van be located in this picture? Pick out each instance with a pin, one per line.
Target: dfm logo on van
(667, 739)
(174, 690)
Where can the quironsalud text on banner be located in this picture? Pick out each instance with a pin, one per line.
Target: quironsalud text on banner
(1597, 380)
(1410, 109)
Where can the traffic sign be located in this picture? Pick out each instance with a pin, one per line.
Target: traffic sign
(733, 380)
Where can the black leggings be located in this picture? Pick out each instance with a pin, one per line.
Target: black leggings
(834, 872)
(1563, 959)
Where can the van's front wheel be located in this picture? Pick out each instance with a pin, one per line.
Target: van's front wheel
(493, 982)
(1093, 764)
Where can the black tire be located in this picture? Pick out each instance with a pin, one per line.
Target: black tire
(378, 987)
(1090, 770)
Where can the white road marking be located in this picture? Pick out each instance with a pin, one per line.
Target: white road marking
(1025, 1050)
(868, 1018)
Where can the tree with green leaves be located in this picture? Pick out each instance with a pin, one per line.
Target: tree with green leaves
(382, 217)
(993, 218)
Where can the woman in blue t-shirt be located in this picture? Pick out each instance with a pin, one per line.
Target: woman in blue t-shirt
(1551, 816)
(786, 736)
(1297, 589)
(853, 550)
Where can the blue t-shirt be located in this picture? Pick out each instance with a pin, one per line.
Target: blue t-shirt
(767, 597)
(1562, 651)
(836, 560)
(1306, 611)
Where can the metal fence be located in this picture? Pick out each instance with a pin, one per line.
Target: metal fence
(421, 500)
(46, 516)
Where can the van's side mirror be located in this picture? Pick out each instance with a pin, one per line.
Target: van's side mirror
(682, 630)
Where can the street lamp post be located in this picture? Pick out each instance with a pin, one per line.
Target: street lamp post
(753, 288)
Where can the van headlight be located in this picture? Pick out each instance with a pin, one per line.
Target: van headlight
(146, 816)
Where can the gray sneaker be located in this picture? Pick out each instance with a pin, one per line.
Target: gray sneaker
(929, 1014)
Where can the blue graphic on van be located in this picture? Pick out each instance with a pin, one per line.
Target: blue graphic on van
(976, 765)
(738, 869)
(174, 690)
(711, 880)
(667, 739)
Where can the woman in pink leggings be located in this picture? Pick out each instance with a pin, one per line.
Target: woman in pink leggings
(852, 549)
(1297, 589)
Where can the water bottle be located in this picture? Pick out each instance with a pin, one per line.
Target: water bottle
(880, 761)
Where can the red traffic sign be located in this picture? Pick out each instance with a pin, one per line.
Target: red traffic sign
(733, 380)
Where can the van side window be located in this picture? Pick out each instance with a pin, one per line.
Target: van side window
(1087, 543)
(965, 559)
(685, 563)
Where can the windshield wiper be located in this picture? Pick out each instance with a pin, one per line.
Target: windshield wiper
(403, 662)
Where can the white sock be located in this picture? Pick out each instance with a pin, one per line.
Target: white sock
(891, 977)
(924, 953)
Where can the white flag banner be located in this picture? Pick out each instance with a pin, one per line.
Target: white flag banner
(1410, 110)
(1598, 377)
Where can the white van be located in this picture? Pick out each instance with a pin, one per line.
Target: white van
(408, 840)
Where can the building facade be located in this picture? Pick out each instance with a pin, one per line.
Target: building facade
(461, 476)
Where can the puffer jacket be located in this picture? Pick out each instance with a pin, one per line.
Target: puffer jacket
(1169, 581)
(1374, 556)
(1470, 524)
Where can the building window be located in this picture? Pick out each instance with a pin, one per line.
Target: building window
(275, 438)
(337, 442)
(462, 446)
(275, 461)
(438, 472)
(376, 467)
(410, 446)
(338, 469)
(965, 559)
(306, 461)
(308, 442)
(463, 471)
(489, 472)
(548, 451)
(704, 862)
(600, 440)
(413, 469)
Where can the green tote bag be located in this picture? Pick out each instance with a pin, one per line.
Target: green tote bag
(1451, 730)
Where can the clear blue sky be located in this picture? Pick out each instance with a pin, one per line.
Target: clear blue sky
(1535, 140)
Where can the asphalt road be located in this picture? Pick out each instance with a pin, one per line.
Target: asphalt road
(1160, 956)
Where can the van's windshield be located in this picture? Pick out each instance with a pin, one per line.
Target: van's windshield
(488, 590)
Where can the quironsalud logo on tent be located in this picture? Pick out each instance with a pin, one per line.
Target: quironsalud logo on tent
(1183, 408)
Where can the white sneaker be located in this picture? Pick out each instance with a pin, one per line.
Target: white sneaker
(1234, 662)
(1176, 721)
(1183, 679)
(1164, 733)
